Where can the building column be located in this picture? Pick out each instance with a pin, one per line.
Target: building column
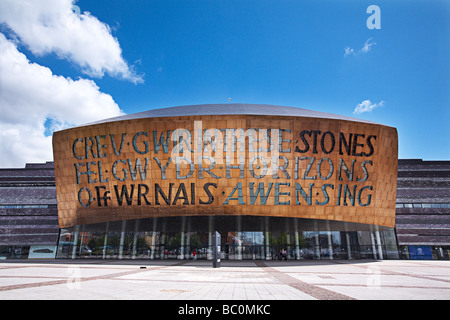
(330, 241)
(105, 242)
(75, 242)
(330, 245)
(349, 248)
(317, 248)
(80, 246)
(188, 239)
(297, 245)
(122, 239)
(152, 251)
(183, 225)
(374, 248)
(380, 248)
(238, 252)
(162, 255)
(136, 228)
(266, 238)
(188, 245)
(209, 251)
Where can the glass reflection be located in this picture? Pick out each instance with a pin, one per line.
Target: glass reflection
(243, 238)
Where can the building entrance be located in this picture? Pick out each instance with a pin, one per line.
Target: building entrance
(242, 238)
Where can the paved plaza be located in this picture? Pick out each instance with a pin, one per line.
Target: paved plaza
(234, 280)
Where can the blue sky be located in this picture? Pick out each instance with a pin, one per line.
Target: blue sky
(291, 53)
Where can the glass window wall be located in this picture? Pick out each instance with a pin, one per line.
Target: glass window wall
(243, 238)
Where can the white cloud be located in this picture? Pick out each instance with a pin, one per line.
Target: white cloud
(366, 48)
(34, 102)
(51, 26)
(367, 106)
(348, 51)
(367, 45)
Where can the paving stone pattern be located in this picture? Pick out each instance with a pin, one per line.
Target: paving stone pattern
(234, 280)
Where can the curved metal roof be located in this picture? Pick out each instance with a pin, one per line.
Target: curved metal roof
(231, 109)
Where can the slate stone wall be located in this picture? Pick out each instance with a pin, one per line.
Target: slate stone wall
(423, 202)
(28, 210)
